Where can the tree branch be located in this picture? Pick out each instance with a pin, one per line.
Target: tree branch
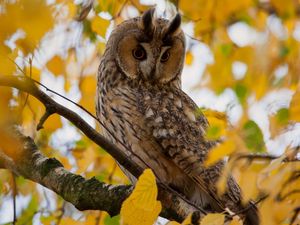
(268, 157)
(27, 85)
(83, 194)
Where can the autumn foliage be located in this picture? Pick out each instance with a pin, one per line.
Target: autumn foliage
(254, 46)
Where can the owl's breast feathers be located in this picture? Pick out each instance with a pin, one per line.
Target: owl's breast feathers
(160, 128)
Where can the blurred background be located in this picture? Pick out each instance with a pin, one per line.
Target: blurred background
(242, 69)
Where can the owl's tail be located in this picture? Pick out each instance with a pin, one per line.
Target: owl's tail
(251, 215)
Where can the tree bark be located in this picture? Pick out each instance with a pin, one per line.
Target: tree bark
(49, 172)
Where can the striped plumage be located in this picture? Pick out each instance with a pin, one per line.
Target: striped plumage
(140, 102)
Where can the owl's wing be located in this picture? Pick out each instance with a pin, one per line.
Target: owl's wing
(180, 130)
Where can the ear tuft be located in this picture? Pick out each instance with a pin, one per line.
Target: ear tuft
(147, 20)
(174, 25)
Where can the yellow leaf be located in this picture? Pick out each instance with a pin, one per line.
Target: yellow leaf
(217, 123)
(7, 66)
(68, 220)
(213, 219)
(189, 58)
(215, 114)
(142, 7)
(27, 118)
(112, 6)
(25, 45)
(225, 8)
(236, 221)
(101, 47)
(53, 122)
(67, 85)
(100, 25)
(33, 72)
(71, 9)
(273, 212)
(88, 91)
(187, 220)
(285, 8)
(84, 158)
(9, 144)
(260, 85)
(295, 107)
(34, 17)
(6, 95)
(220, 73)
(218, 152)
(56, 65)
(248, 182)
(141, 207)
(88, 85)
(31, 113)
(260, 20)
(197, 9)
(222, 181)
(65, 161)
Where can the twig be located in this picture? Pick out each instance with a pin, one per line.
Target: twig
(269, 8)
(98, 218)
(14, 194)
(120, 11)
(250, 205)
(62, 210)
(193, 38)
(43, 119)
(296, 212)
(86, 8)
(135, 5)
(112, 173)
(264, 157)
(46, 198)
(30, 75)
(65, 98)
(296, 191)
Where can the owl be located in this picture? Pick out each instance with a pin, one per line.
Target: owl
(147, 115)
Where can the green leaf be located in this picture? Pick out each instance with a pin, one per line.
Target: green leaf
(28, 214)
(282, 116)
(284, 51)
(253, 137)
(112, 220)
(226, 49)
(81, 144)
(241, 92)
(101, 177)
(87, 29)
(213, 132)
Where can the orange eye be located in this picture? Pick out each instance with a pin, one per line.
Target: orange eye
(139, 53)
(165, 56)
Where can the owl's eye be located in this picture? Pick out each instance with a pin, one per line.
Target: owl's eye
(139, 53)
(165, 56)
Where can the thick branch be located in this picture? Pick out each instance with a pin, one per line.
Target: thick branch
(82, 193)
(52, 175)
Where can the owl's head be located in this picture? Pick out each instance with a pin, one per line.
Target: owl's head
(149, 48)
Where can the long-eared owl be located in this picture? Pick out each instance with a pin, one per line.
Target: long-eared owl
(140, 102)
